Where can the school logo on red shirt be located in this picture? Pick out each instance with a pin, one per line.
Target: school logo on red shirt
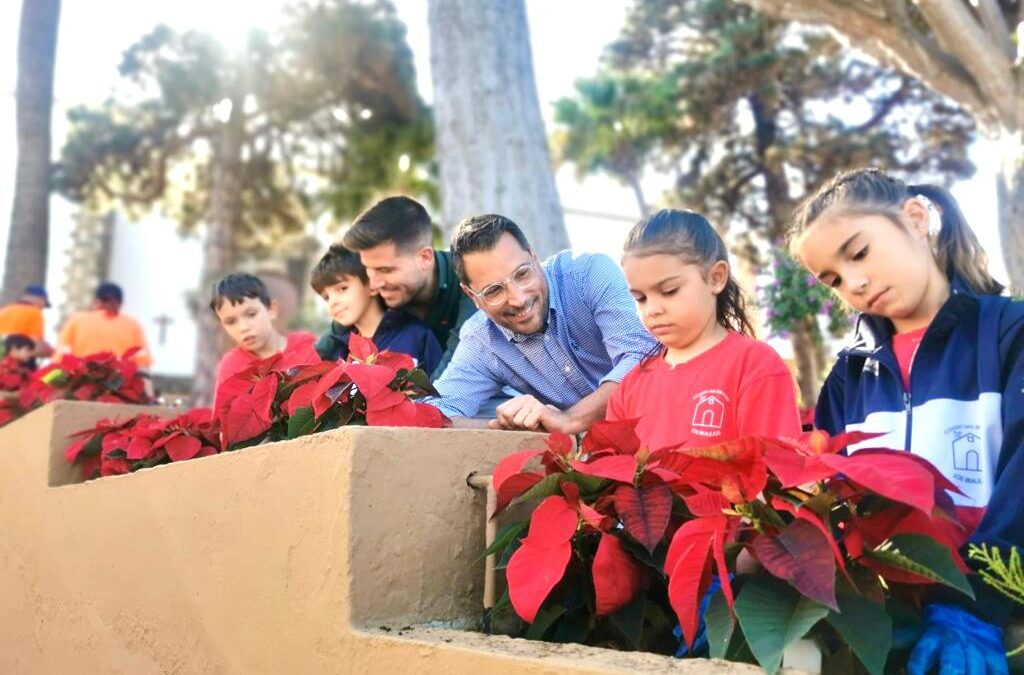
(709, 413)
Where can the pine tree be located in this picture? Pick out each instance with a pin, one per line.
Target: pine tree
(253, 145)
(764, 112)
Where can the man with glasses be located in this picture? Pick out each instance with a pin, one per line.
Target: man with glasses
(564, 332)
(394, 241)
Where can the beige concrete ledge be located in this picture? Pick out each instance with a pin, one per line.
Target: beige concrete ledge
(285, 558)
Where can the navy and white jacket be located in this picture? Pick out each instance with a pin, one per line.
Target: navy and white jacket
(964, 411)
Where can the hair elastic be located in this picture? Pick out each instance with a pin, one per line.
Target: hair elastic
(934, 214)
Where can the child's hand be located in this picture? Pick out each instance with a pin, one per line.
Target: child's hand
(956, 641)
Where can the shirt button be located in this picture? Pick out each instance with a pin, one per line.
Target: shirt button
(568, 369)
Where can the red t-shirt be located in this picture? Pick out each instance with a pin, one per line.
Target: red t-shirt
(739, 387)
(905, 345)
(298, 350)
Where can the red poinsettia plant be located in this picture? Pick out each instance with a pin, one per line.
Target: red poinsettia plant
(13, 374)
(274, 399)
(98, 377)
(114, 447)
(802, 540)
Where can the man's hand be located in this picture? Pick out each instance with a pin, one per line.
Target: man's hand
(526, 413)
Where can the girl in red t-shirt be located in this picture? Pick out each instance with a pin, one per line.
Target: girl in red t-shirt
(711, 381)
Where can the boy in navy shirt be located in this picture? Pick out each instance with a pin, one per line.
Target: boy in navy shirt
(340, 279)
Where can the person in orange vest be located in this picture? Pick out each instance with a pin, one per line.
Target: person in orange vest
(25, 317)
(105, 328)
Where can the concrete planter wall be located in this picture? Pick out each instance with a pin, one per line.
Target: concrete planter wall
(351, 551)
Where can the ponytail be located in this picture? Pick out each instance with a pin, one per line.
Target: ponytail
(731, 308)
(957, 249)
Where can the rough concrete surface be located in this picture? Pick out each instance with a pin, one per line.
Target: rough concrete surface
(285, 558)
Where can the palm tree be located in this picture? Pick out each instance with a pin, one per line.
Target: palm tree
(29, 235)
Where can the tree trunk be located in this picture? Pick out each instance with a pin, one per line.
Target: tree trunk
(29, 234)
(963, 51)
(490, 135)
(805, 354)
(638, 192)
(808, 350)
(1010, 196)
(218, 249)
(819, 359)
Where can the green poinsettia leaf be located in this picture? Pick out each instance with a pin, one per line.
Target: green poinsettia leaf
(505, 537)
(301, 422)
(867, 629)
(507, 553)
(93, 447)
(545, 488)
(921, 555)
(630, 620)
(720, 626)
(545, 618)
(588, 485)
(573, 627)
(773, 615)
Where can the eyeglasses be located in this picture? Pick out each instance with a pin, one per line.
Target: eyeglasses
(522, 278)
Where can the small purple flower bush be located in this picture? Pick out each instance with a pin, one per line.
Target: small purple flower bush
(793, 294)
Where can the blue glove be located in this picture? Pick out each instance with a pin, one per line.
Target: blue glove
(700, 643)
(958, 643)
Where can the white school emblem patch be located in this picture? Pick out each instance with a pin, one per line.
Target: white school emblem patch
(709, 413)
(961, 438)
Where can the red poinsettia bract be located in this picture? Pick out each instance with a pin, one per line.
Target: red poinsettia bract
(114, 447)
(13, 374)
(278, 398)
(801, 509)
(275, 399)
(98, 377)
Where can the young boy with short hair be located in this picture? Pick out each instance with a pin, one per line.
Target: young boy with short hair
(18, 362)
(246, 312)
(21, 349)
(341, 280)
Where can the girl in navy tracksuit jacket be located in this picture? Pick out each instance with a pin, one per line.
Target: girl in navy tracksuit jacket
(937, 365)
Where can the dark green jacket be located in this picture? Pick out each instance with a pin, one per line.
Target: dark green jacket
(448, 310)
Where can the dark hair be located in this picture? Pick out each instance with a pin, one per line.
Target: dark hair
(109, 291)
(690, 236)
(400, 220)
(481, 233)
(871, 192)
(18, 341)
(336, 263)
(236, 288)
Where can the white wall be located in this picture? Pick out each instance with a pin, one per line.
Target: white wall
(157, 268)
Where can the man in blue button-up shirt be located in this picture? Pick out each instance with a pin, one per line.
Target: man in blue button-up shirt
(565, 332)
